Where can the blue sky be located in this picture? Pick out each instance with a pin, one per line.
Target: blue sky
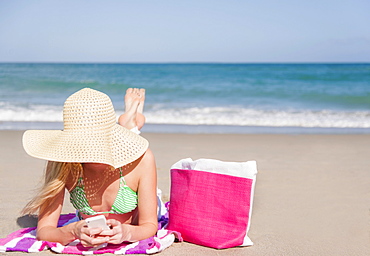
(184, 31)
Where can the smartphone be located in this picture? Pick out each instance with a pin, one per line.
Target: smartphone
(97, 222)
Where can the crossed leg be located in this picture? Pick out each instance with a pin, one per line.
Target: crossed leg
(134, 106)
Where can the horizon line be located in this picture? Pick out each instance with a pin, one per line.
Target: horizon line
(180, 62)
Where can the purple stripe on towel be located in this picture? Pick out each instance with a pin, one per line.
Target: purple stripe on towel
(26, 243)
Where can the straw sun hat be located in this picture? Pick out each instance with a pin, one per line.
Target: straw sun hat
(90, 135)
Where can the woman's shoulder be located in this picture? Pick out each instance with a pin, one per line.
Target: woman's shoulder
(146, 162)
(148, 155)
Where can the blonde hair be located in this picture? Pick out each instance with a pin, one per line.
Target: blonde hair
(56, 176)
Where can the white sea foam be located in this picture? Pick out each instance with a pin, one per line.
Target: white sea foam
(33, 113)
(210, 116)
(254, 117)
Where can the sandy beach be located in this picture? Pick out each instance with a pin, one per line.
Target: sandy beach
(312, 193)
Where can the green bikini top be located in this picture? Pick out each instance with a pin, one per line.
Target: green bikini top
(126, 199)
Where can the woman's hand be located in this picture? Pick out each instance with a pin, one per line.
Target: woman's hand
(118, 233)
(89, 237)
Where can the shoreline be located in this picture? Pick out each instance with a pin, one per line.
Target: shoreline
(311, 197)
(199, 129)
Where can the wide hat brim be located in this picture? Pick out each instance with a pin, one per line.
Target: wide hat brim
(116, 147)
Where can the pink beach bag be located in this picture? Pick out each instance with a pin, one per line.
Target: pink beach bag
(211, 201)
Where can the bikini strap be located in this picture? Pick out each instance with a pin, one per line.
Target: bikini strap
(80, 181)
(122, 178)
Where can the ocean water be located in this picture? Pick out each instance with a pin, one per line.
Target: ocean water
(234, 98)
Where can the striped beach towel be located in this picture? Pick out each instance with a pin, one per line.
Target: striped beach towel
(24, 240)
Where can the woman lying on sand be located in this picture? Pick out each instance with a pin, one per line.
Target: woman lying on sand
(107, 169)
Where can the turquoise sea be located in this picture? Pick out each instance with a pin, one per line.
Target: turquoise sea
(236, 98)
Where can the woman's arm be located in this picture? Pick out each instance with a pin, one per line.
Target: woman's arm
(47, 229)
(147, 206)
(47, 224)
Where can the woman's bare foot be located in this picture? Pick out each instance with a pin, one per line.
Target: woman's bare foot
(132, 118)
(140, 118)
(140, 109)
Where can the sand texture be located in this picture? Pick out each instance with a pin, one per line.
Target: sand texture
(312, 192)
